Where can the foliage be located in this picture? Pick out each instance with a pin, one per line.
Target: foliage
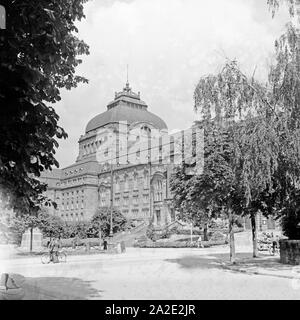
(266, 127)
(177, 244)
(69, 242)
(38, 56)
(102, 219)
(291, 225)
(48, 224)
(293, 6)
(290, 217)
(80, 229)
(18, 225)
(204, 196)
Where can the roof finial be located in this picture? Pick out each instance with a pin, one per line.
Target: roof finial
(127, 73)
(127, 83)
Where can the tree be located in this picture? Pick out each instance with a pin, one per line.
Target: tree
(80, 229)
(18, 225)
(50, 225)
(267, 127)
(285, 81)
(293, 6)
(101, 220)
(186, 200)
(216, 190)
(240, 105)
(38, 55)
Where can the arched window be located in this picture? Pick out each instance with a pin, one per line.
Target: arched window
(102, 197)
(158, 190)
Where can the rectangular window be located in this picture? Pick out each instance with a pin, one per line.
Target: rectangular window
(135, 200)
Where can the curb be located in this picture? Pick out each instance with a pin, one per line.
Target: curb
(236, 269)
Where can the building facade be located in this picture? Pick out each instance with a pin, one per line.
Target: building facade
(115, 167)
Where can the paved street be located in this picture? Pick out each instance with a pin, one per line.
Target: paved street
(149, 274)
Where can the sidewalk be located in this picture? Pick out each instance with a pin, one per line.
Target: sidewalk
(265, 265)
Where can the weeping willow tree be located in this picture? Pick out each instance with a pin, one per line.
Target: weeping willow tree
(241, 106)
(284, 79)
(264, 123)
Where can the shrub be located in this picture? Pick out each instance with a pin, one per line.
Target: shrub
(217, 236)
(69, 242)
(102, 218)
(155, 234)
(290, 223)
(176, 244)
(188, 232)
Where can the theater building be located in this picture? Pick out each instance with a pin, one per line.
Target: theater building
(126, 175)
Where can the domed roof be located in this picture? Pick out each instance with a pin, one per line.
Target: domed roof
(127, 106)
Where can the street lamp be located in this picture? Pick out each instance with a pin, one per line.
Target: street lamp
(111, 201)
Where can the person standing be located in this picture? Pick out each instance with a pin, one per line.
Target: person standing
(199, 242)
(104, 244)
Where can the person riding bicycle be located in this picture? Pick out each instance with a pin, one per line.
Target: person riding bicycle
(55, 245)
(50, 246)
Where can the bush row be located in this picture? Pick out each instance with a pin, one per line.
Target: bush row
(70, 242)
(177, 244)
(210, 232)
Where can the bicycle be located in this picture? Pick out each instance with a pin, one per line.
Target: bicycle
(62, 257)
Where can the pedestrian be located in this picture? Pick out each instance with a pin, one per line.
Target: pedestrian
(199, 242)
(49, 241)
(123, 248)
(51, 247)
(275, 243)
(104, 244)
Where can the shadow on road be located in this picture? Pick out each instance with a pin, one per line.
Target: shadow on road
(244, 260)
(59, 288)
(192, 262)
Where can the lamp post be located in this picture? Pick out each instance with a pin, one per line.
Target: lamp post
(31, 237)
(111, 201)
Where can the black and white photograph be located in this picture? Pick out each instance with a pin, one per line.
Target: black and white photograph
(150, 151)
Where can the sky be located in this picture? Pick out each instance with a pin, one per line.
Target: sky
(169, 45)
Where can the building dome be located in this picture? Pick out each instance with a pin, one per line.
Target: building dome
(127, 106)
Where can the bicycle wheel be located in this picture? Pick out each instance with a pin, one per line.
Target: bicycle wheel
(45, 258)
(62, 257)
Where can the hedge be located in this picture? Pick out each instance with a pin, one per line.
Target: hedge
(210, 231)
(68, 243)
(177, 244)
